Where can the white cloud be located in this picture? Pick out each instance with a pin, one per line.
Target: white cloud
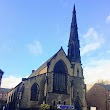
(93, 40)
(35, 47)
(10, 82)
(108, 19)
(97, 70)
(90, 47)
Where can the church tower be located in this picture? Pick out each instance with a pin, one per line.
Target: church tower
(73, 44)
(78, 85)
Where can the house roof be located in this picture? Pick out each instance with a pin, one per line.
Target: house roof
(107, 87)
(45, 64)
(4, 90)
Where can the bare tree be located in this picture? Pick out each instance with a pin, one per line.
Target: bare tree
(105, 82)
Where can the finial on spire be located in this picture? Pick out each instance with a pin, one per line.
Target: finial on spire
(74, 10)
(61, 47)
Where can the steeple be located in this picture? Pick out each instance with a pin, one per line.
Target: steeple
(73, 44)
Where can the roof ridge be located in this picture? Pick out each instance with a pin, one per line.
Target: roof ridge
(46, 63)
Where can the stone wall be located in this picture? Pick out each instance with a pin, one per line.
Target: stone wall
(75, 86)
(26, 102)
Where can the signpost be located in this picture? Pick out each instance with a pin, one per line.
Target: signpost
(62, 107)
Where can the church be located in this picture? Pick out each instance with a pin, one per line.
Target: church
(59, 81)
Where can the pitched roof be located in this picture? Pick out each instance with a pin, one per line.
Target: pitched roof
(45, 64)
(41, 67)
(4, 90)
(107, 87)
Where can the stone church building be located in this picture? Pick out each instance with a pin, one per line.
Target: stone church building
(59, 80)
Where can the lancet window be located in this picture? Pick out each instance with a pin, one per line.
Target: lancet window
(60, 77)
(34, 92)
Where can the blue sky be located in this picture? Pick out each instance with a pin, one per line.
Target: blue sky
(32, 31)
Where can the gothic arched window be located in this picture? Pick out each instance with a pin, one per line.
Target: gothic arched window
(60, 77)
(34, 92)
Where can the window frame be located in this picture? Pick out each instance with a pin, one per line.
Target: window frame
(34, 95)
(62, 73)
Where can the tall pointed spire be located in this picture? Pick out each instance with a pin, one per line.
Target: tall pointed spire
(73, 44)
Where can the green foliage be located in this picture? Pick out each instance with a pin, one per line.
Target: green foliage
(44, 107)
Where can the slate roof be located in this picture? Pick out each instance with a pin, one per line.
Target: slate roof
(41, 67)
(4, 90)
(44, 65)
(107, 87)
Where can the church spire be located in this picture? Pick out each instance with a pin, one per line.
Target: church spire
(73, 44)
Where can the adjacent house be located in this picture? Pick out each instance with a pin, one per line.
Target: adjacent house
(3, 97)
(99, 96)
(3, 92)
